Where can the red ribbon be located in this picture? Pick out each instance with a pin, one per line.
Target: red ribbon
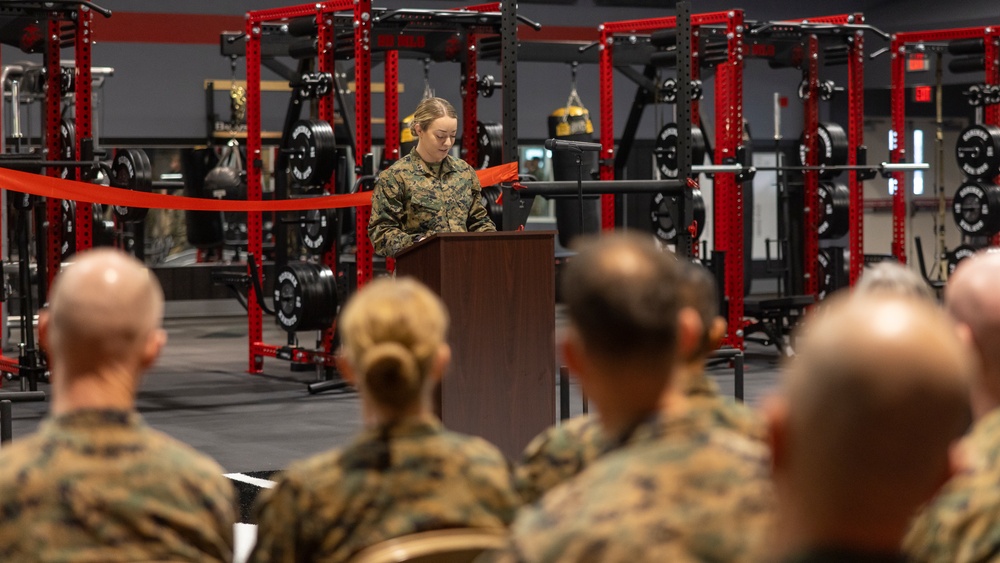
(56, 188)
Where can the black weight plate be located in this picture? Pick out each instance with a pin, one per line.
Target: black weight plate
(316, 230)
(103, 229)
(961, 253)
(666, 149)
(489, 136)
(129, 170)
(833, 148)
(305, 297)
(978, 151)
(68, 228)
(834, 215)
(976, 209)
(494, 208)
(825, 272)
(661, 216)
(312, 152)
(67, 144)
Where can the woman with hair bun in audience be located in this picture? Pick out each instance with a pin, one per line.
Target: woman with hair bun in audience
(404, 473)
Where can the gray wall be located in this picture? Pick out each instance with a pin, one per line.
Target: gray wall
(157, 89)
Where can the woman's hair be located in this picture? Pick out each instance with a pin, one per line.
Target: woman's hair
(429, 110)
(392, 330)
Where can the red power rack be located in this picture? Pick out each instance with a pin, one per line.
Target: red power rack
(897, 149)
(52, 117)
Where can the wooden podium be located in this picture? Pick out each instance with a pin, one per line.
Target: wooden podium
(500, 292)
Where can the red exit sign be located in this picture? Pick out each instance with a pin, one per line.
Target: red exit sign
(923, 94)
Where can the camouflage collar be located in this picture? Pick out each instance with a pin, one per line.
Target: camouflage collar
(407, 428)
(89, 418)
(701, 385)
(447, 165)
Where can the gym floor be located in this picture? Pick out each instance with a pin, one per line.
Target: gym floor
(254, 425)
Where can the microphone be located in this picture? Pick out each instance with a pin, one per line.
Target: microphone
(575, 146)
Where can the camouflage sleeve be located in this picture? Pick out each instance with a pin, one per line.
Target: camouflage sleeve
(479, 220)
(385, 228)
(556, 455)
(278, 516)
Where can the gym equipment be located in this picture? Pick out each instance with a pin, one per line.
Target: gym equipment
(490, 137)
(834, 204)
(960, 253)
(316, 229)
(579, 215)
(305, 297)
(493, 204)
(976, 208)
(666, 149)
(833, 148)
(662, 210)
(67, 144)
(131, 170)
(311, 150)
(977, 151)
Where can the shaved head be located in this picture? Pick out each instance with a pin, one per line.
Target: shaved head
(104, 307)
(973, 300)
(875, 397)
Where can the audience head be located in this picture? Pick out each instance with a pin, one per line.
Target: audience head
(895, 278)
(699, 291)
(393, 333)
(869, 408)
(972, 299)
(103, 319)
(625, 323)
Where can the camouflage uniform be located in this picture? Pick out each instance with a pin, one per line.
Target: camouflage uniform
(392, 481)
(560, 452)
(410, 200)
(678, 490)
(962, 523)
(101, 485)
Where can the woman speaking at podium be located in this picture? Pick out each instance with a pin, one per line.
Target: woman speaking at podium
(427, 191)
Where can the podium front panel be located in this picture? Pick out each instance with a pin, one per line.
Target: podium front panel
(500, 292)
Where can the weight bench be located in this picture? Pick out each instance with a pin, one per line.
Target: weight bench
(776, 317)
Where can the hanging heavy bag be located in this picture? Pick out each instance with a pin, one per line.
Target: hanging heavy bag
(572, 123)
(228, 181)
(204, 228)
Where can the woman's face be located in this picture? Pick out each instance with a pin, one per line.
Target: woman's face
(435, 141)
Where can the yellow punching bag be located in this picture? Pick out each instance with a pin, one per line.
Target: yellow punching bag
(572, 123)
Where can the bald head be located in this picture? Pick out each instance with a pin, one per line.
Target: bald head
(895, 278)
(621, 296)
(874, 398)
(972, 299)
(104, 309)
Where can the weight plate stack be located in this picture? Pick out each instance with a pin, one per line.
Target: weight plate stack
(131, 170)
(490, 138)
(666, 149)
(68, 228)
(316, 230)
(825, 272)
(978, 151)
(833, 148)
(493, 203)
(305, 297)
(67, 144)
(834, 205)
(976, 208)
(313, 149)
(661, 214)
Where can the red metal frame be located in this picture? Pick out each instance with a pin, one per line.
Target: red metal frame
(728, 197)
(361, 9)
(84, 119)
(897, 152)
(53, 108)
(855, 139)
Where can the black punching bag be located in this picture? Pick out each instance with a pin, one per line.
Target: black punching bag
(572, 123)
